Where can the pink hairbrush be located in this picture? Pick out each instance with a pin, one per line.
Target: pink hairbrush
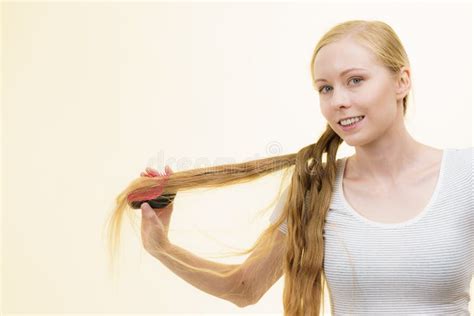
(152, 196)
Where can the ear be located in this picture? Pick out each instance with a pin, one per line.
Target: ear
(403, 82)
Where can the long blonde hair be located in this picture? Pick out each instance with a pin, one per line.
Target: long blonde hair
(313, 174)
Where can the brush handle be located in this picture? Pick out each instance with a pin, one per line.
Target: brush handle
(158, 202)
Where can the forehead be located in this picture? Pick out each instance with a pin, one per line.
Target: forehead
(338, 56)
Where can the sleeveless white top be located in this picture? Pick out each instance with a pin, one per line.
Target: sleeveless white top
(422, 266)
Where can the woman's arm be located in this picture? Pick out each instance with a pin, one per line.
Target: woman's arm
(223, 287)
(262, 268)
(243, 287)
(155, 224)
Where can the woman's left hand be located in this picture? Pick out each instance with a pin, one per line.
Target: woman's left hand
(150, 172)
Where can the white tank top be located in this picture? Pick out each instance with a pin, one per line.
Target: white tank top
(422, 266)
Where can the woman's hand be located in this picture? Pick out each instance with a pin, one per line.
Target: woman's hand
(150, 172)
(155, 222)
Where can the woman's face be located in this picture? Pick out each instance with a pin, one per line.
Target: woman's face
(352, 82)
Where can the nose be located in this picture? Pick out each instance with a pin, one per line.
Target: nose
(339, 98)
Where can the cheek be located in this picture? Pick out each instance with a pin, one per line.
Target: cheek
(328, 116)
(373, 99)
(371, 93)
(381, 92)
(323, 109)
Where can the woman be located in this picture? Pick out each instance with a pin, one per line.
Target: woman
(390, 229)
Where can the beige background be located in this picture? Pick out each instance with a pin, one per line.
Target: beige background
(92, 93)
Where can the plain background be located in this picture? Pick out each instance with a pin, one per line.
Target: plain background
(92, 93)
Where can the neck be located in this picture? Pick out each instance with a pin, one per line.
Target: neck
(389, 158)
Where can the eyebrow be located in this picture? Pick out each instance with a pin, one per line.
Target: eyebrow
(341, 74)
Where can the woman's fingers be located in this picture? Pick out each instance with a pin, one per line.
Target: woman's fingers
(168, 170)
(150, 172)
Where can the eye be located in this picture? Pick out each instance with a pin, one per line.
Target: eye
(322, 88)
(355, 78)
(356, 81)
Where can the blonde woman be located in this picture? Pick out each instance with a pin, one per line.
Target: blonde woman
(389, 230)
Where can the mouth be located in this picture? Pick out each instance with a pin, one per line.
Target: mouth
(353, 124)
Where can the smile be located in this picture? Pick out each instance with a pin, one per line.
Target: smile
(352, 126)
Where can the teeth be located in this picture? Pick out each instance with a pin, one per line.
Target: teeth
(351, 120)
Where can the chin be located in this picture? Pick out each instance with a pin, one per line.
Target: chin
(355, 142)
(351, 143)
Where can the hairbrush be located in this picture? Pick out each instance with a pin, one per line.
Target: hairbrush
(153, 196)
(159, 202)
